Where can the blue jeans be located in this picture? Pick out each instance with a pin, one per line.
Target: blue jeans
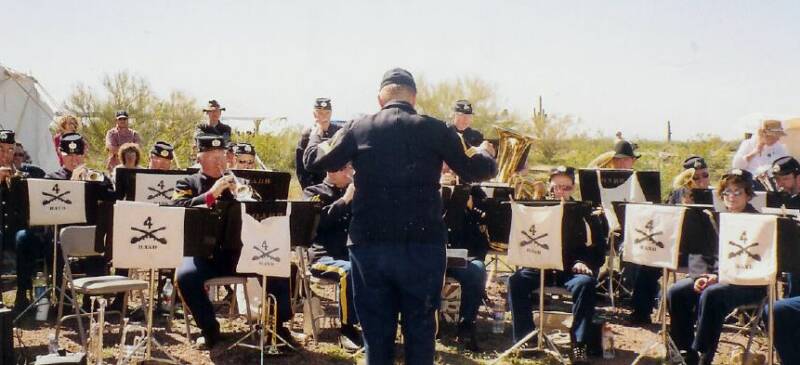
(787, 329)
(339, 270)
(473, 288)
(520, 295)
(645, 288)
(709, 308)
(191, 278)
(391, 279)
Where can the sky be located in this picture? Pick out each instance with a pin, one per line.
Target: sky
(710, 67)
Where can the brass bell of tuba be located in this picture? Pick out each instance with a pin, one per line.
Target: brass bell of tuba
(513, 148)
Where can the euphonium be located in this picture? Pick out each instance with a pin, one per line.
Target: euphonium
(513, 147)
(603, 161)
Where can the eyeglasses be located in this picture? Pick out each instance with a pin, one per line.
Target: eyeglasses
(700, 176)
(245, 162)
(19, 155)
(732, 193)
(563, 187)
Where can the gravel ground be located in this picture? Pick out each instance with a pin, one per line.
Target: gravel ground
(31, 340)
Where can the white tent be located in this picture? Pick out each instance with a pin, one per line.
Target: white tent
(24, 110)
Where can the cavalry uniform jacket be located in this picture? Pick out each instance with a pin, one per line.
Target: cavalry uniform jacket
(334, 222)
(398, 155)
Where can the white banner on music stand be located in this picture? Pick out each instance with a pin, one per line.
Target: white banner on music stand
(147, 236)
(56, 202)
(535, 238)
(266, 246)
(155, 188)
(629, 191)
(653, 234)
(747, 248)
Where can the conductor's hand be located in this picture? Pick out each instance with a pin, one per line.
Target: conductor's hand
(349, 193)
(488, 147)
(581, 268)
(224, 183)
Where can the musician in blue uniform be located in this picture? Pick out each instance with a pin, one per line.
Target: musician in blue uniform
(209, 187)
(397, 234)
(683, 184)
(35, 242)
(471, 235)
(700, 299)
(462, 123)
(244, 155)
(214, 125)
(325, 130)
(328, 252)
(161, 156)
(786, 172)
(583, 256)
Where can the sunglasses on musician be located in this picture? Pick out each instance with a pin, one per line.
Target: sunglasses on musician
(700, 176)
(563, 187)
(732, 193)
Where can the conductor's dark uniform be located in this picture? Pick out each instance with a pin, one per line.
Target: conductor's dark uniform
(397, 235)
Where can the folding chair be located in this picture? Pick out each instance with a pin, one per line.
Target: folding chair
(78, 242)
(312, 304)
(748, 320)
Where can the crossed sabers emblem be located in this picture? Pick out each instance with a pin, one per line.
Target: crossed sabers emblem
(264, 251)
(156, 192)
(57, 195)
(649, 235)
(533, 238)
(149, 232)
(744, 248)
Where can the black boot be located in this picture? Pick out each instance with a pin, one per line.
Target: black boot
(466, 336)
(579, 356)
(350, 338)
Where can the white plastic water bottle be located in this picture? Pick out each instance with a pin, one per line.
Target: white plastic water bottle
(52, 343)
(498, 317)
(43, 305)
(608, 342)
(166, 295)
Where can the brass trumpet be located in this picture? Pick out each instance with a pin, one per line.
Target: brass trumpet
(243, 191)
(84, 173)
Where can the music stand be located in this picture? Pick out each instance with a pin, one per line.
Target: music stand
(544, 343)
(650, 182)
(672, 353)
(125, 182)
(160, 260)
(268, 315)
(91, 197)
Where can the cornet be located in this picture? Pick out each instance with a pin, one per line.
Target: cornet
(243, 191)
(83, 173)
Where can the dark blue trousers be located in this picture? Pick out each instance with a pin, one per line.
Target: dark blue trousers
(194, 272)
(708, 309)
(339, 270)
(520, 294)
(787, 329)
(391, 279)
(473, 288)
(645, 287)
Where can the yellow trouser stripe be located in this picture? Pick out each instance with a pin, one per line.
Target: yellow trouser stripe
(342, 287)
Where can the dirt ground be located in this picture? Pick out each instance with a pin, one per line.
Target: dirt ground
(31, 339)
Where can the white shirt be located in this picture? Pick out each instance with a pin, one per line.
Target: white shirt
(767, 156)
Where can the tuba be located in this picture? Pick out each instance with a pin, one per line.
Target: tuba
(603, 161)
(513, 148)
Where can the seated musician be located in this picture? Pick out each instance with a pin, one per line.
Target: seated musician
(161, 156)
(701, 300)
(244, 155)
(472, 278)
(328, 254)
(22, 163)
(462, 123)
(207, 187)
(694, 176)
(33, 242)
(786, 171)
(581, 262)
